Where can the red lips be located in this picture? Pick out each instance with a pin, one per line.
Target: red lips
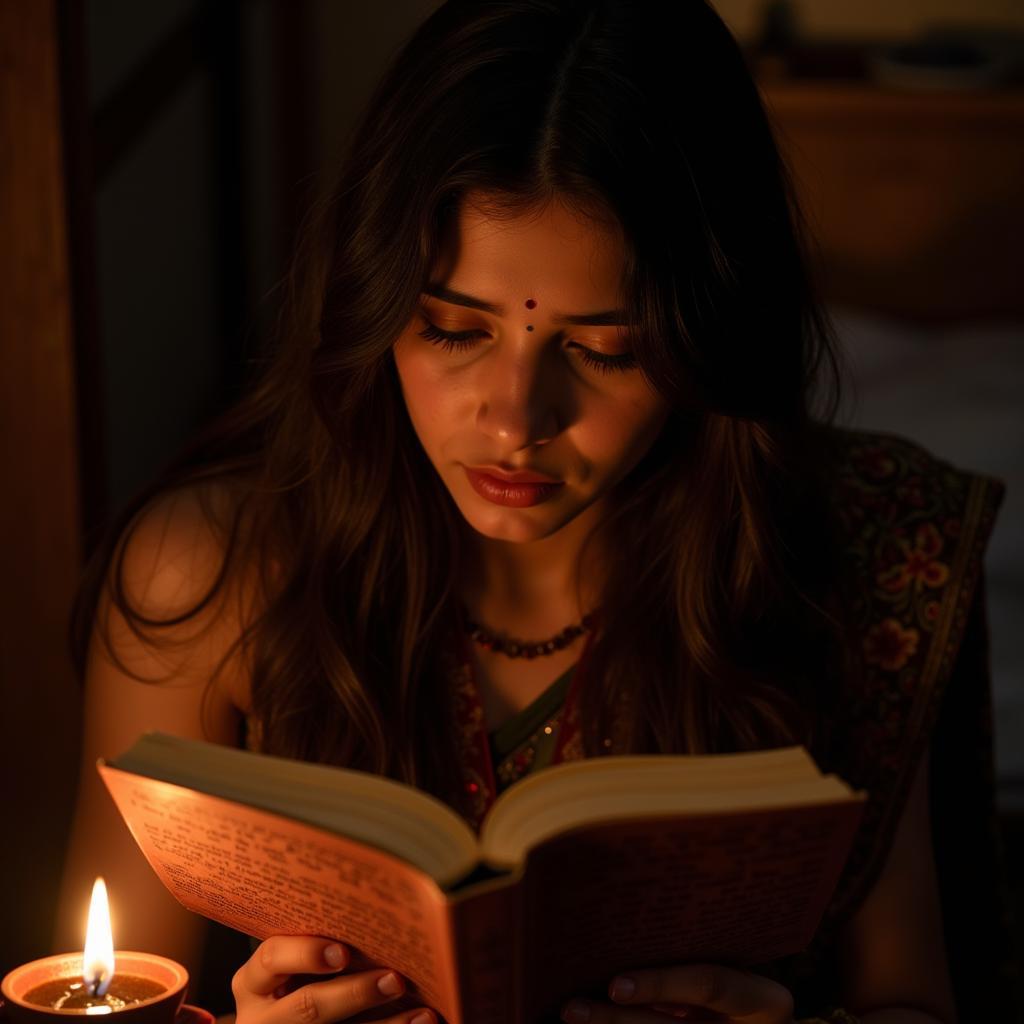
(514, 490)
(519, 476)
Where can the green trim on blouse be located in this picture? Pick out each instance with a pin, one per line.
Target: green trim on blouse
(524, 724)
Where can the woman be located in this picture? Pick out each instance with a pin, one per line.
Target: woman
(545, 387)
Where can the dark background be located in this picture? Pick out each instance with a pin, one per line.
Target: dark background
(161, 154)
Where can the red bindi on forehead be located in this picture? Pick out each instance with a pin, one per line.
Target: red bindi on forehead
(530, 303)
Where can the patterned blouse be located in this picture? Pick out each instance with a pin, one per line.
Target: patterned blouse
(526, 742)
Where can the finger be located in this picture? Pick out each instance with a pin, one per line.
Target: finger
(696, 1014)
(686, 1011)
(724, 990)
(585, 1011)
(281, 956)
(337, 999)
(420, 1015)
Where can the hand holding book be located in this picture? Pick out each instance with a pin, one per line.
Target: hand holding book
(697, 992)
(274, 985)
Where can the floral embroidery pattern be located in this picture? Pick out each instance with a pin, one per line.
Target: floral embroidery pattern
(901, 513)
(518, 763)
(873, 462)
(475, 755)
(920, 565)
(889, 645)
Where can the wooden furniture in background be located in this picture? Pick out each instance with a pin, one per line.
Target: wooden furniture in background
(916, 199)
(39, 513)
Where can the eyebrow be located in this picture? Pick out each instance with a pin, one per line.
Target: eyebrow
(606, 318)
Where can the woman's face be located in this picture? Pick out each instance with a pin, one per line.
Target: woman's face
(522, 389)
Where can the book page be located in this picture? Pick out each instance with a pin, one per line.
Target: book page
(737, 889)
(264, 875)
(560, 801)
(377, 811)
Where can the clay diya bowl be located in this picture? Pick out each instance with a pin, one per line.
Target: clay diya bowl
(158, 1009)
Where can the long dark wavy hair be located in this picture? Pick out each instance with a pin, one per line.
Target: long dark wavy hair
(720, 627)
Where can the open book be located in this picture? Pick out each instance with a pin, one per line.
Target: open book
(580, 871)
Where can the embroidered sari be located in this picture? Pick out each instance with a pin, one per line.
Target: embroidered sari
(915, 529)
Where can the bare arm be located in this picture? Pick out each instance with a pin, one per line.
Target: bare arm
(893, 950)
(170, 561)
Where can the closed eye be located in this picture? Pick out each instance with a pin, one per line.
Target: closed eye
(462, 340)
(448, 339)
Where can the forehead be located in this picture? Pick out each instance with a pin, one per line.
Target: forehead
(551, 250)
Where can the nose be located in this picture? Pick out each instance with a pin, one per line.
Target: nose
(519, 400)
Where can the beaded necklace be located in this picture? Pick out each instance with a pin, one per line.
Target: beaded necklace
(522, 648)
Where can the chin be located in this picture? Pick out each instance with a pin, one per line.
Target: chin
(515, 525)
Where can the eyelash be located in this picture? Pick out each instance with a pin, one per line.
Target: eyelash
(460, 340)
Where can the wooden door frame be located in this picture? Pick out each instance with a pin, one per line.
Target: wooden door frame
(40, 511)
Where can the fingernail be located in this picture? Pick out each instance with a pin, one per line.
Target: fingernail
(622, 988)
(334, 955)
(389, 985)
(421, 1018)
(576, 1012)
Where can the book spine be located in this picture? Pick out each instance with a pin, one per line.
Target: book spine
(486, 926)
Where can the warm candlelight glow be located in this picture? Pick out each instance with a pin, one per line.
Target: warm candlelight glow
(147, 989)
(98, 963)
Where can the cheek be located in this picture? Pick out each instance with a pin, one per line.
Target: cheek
(625, 432)
(429, 395)
(415, 385)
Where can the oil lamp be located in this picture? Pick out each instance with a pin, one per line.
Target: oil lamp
(148, 989)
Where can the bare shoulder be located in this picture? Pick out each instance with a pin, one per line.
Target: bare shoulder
(181, 589)
(173, 551)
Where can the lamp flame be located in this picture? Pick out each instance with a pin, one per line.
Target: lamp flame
(98, 962)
